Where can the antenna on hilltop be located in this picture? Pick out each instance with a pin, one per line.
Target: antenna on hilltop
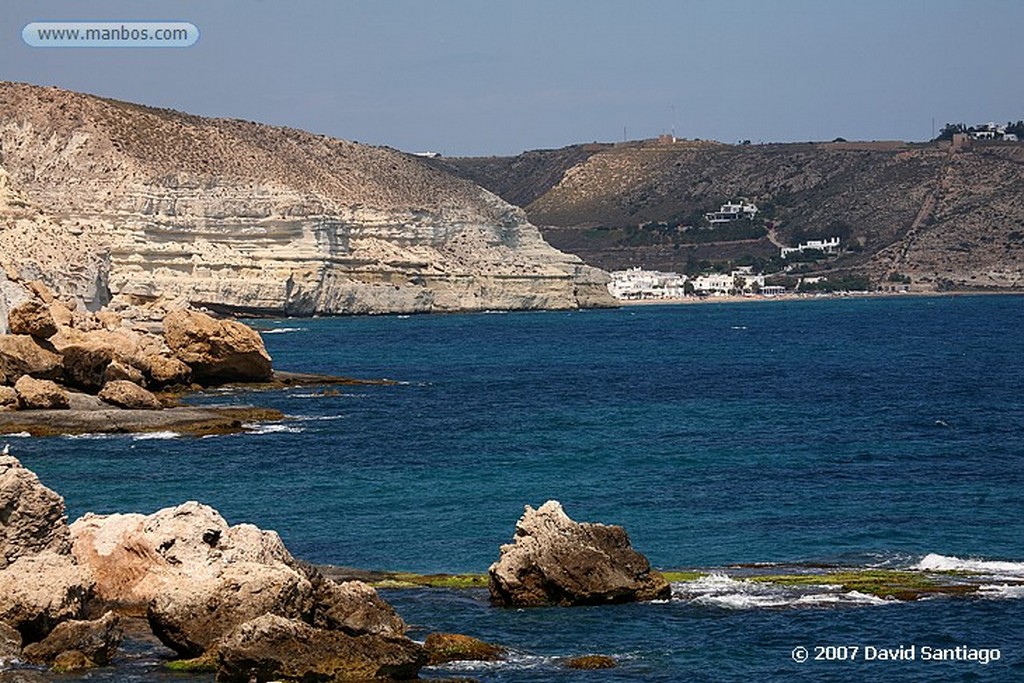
(673, 122)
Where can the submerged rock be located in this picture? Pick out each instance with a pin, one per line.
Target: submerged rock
(442, 648)
(591, 662)
(217, 350)
(556, 561)
(274, 648)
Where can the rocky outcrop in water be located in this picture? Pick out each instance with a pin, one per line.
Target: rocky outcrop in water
(209, 589)
(115, 202)
(556, 561)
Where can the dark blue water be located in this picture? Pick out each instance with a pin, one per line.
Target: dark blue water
(853, 432)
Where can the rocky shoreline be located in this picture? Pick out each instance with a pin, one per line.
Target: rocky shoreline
(232, 599)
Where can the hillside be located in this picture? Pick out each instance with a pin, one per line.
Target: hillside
(946, 218)
(247, 217)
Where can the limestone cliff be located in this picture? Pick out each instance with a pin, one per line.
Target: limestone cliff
(136, 203)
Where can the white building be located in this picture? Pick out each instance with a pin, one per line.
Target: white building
(744, 280)
(991, 131)
(714, 283)
(636, 283)
(730, 211)
(829, 246)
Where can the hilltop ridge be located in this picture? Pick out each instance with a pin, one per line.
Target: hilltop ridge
(938, 216)
(251, 218)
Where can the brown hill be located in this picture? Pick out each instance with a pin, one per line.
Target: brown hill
(248, 217)
(947, 218)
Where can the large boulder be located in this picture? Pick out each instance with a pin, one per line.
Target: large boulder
(97, 640)
(128, 395)
(32, 519)
(167, 371)
(217, 350)
(40, 583)
(135, 557)
(271, 647)
(21, 355)
(40, 394)
(86, 363)
(353, 607)
(32, 318)
(554, 560)
(191, 616)
(121, 370)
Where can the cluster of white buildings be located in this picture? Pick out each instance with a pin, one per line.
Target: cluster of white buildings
(638, 284)
(829, 246)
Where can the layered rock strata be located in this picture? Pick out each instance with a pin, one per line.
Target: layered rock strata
(246, 217)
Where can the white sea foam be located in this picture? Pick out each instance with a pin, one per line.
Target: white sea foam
(277, 428)
(518, 661)
(1001, 591)
(149, 436)
(947, 563)
(89, 436)
(282, 330)
(17, 435)
(317, 418)
(720, 590)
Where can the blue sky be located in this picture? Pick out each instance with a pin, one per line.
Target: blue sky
(478, 77)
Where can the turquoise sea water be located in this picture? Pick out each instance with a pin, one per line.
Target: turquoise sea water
(855, 432)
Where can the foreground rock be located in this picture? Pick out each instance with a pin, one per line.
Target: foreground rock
(556, 561)
(32, 521)
(95, 640)
(40, 583)
(274, 648)
(196, 579)
(217, 350)
(191, 616)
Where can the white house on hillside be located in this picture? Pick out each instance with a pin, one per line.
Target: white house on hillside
(829, 246)
(730, 211)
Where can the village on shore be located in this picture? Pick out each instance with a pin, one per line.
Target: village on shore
(766, 281)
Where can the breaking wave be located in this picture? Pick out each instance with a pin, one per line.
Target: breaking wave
(282, 330)
(720, 590)
(947, 563)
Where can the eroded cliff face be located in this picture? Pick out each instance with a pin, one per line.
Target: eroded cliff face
(245, 217)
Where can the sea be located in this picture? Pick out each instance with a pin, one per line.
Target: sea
(842, 432)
